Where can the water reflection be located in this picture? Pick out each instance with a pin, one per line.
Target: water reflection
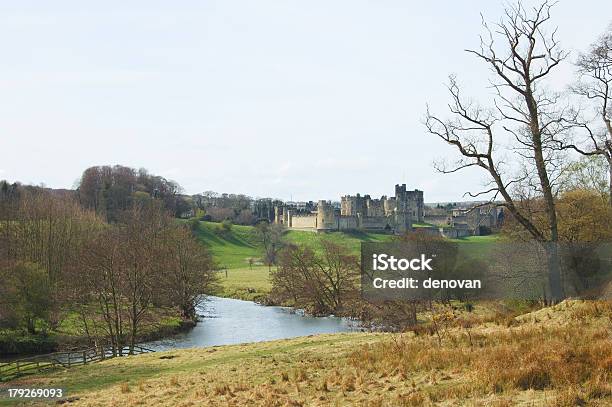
(227, 321)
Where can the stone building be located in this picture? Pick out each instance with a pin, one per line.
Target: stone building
(356, 212)
(403, 201)
(480, 220)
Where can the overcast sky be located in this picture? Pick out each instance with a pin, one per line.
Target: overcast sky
(290, 99)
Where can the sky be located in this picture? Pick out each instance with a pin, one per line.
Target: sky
(300, 100)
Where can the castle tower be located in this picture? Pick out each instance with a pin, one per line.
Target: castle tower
(351, 205)
(403, 212)
(326, 217)
(289, 218)
(410, 201)
(416, 205)
(403, 221)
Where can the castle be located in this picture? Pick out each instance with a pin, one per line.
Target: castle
(394, 214)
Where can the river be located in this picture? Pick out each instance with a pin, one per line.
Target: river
(226, 321)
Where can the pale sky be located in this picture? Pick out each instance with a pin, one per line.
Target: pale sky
(290, 99)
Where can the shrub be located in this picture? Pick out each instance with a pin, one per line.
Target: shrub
(17, 344)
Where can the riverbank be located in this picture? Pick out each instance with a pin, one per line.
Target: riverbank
(555, 356)
(14, 344)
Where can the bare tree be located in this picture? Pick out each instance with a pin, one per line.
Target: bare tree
(142, 231)
(521, 54)
(188, 271)
(595, 84)
(270, 237)
(321, 281)
(101, 276)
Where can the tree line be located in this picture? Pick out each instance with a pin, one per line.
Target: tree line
(236, 208)
(62, 260)
(109, 190)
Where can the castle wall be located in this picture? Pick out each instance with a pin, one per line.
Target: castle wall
(359, 212)
(403, 222)
(278, 215)
(416, 204)
(304, 221)
(374, 222)
(451, 233)
(440, 220)
(375, 207)
(347, 222)
(455, 233)
(352, 205)
(432, 231)
(389, 206)
(477, 218)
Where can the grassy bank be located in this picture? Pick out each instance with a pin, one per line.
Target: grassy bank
(70, 333)
(558, 356)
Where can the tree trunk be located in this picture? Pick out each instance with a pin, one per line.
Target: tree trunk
(551, 211)
(610, 178)
(31, 326)
(554, 272)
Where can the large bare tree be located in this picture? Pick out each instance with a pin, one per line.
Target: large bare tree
(521, 52)
(323, 281)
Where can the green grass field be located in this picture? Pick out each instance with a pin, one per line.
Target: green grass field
(477, 247)
(245, 284)
(478, 239)
(233, 249)
(423, 225)
(350, 239)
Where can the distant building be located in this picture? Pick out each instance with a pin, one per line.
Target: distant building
(357, 212)
(480, 220)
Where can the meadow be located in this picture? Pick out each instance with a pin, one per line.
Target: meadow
(556, 356)
(234, 250)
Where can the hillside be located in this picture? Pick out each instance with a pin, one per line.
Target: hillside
(559, 356)
(230, 249)
(233, 248)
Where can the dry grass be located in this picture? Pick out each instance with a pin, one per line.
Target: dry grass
(560, 356)
(499, 362)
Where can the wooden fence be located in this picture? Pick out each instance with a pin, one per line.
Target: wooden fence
(35, 364)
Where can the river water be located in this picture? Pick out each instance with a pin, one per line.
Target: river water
(226, 321)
